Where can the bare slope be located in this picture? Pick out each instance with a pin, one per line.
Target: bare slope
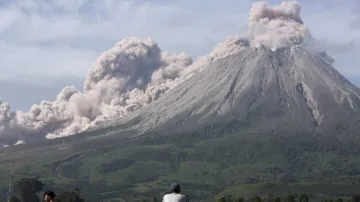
(263, 88)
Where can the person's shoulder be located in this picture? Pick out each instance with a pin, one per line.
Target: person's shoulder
(182, 196)
(167, 195)
(175, 195)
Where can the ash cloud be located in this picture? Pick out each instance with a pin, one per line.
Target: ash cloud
(277, 26)
(124, 78)
(135, 72)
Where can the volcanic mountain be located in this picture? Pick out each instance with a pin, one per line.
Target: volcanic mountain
(256, 88)
(276, 77)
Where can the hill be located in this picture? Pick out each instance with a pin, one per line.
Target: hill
(108, 167)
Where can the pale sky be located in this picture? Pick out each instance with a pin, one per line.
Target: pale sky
(47, 44)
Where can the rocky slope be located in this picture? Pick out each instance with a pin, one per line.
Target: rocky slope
(290, 89)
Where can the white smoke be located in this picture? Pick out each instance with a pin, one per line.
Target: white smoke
(277, 26)
(135, 72)
(19, 142)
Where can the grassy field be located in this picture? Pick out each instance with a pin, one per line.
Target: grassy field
(108, 167)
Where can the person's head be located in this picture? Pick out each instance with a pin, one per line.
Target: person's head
(175, 188)
(49, 196)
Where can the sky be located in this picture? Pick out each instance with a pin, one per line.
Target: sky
(48, 44)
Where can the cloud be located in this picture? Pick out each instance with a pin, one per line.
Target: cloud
(96, 22)
(25, 91)
(355, 25)
(48, 61)
(87, 27)
(339, 48)
(329, 22)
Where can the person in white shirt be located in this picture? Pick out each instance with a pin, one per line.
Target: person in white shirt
(174, 194)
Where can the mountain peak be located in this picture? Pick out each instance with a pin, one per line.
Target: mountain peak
(258, 86)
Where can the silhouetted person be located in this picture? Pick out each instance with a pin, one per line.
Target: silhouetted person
(49, 196)
(173, 194)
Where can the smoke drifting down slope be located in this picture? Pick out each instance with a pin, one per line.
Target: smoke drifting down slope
(135, 72)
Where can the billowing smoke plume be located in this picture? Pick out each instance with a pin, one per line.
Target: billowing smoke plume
(135, 72)
(131, 74)
(277, 26)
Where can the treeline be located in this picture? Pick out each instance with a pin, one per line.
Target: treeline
(289, 198)
(31, 190)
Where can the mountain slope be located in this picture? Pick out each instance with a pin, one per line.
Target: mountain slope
(271, 101)
(287, 87)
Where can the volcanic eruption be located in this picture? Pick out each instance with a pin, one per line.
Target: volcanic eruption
(271, 77)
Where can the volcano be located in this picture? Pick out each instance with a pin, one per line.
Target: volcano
(288, 90)
(274, 80)
(276, 77)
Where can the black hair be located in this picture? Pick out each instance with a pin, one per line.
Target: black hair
(50, 193)
(177, 190)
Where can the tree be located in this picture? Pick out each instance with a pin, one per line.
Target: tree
(355, 198)
(303, 198)
(69, 196)
(240, 199)
(256, 199)
(221, 199)
(28, 188)
(229, 198)
(277, 199)
(14, 199)
(339, 200)
(269, 198)
(290, 198)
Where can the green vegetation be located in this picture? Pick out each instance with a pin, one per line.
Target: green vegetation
(108, 168)
(14, 199)
(69, 196)
(290, 198)
(28, 190)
